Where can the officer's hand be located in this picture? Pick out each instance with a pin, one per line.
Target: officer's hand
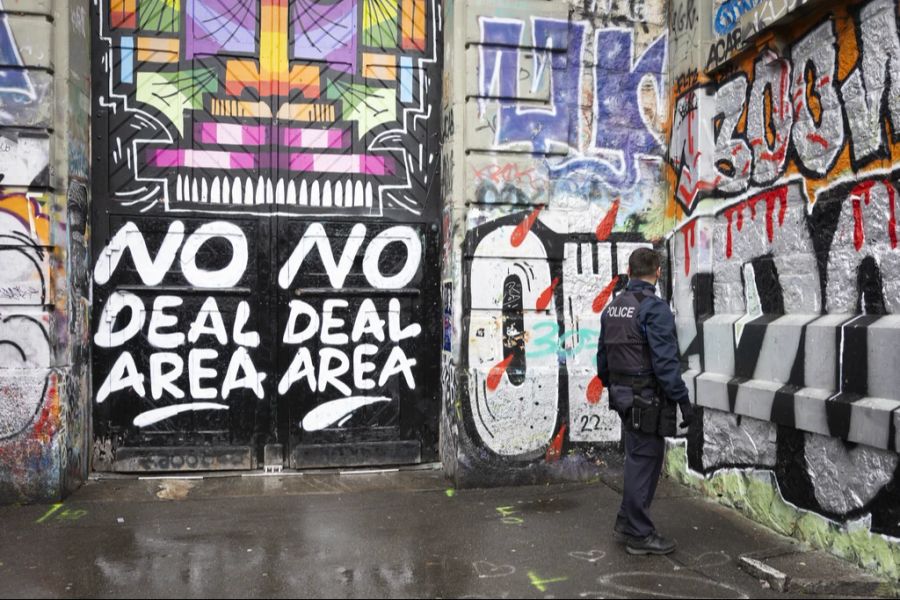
(687, 414)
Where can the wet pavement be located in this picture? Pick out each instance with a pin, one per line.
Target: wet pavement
(370, 535)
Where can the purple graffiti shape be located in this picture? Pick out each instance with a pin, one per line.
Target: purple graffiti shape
(327, 32)
(621, 133)
(220, 26)
(558, 43)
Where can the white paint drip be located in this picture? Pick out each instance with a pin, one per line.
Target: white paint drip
(841, 356)
(167, 412)
(753, 302)
(337, 410)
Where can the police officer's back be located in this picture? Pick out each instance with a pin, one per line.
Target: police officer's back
(637, 360)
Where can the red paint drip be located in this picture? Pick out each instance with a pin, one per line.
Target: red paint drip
(858, 236)
(603, 297)
(521, 231)
(546, 296)
(815, 137)
(861, 192)
(554, 452)
(770, 219)
(609, 221)
(782, 211)
(691, 118)
(594, 390)
(689, 231)
(496, 374)
(43, 429)
(785, 89)
(777, 195)
(825, 81)
(728, 238)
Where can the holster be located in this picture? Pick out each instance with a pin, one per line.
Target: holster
(638, 401)
(668, 419)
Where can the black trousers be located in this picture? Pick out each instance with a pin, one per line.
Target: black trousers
(644, 454)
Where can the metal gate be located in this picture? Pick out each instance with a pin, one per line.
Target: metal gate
(265, 232)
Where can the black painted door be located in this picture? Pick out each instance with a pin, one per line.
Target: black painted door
(265, 232)
(358, 317)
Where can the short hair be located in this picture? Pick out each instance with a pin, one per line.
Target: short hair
(643, 262)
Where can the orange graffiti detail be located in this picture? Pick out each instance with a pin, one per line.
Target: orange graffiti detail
(555, 451)
(28, 210)
(604, 229)
(497, 371)
(546, 296)
(602, 298)
(594, 390)
(521, 231)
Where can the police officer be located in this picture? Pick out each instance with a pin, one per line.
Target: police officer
(637, 360)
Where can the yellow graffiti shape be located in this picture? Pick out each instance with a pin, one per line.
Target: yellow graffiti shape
(29, 211)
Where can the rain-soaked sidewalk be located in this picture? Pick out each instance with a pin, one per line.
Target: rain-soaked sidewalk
(389, 534)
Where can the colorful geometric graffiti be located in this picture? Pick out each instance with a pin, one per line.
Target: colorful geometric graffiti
(269, 185)
(302, 107)
(785, 273)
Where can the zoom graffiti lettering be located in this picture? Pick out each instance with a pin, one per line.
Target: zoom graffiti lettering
(800, 118)
(784, 283)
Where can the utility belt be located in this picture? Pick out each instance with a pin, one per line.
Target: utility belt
(641, 404)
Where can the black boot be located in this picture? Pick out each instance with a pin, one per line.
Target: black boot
(652, 544)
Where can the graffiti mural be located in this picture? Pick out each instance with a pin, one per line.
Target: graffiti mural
(303, 107)
(29, 386)
(784, 278)
(624, 131)
(559, 154)
(269, 268)
(531, 339)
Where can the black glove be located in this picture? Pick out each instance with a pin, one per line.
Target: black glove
(687, 415)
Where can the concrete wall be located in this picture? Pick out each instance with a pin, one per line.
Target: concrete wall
(786, 271)
(44, 295)
(553, 163)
